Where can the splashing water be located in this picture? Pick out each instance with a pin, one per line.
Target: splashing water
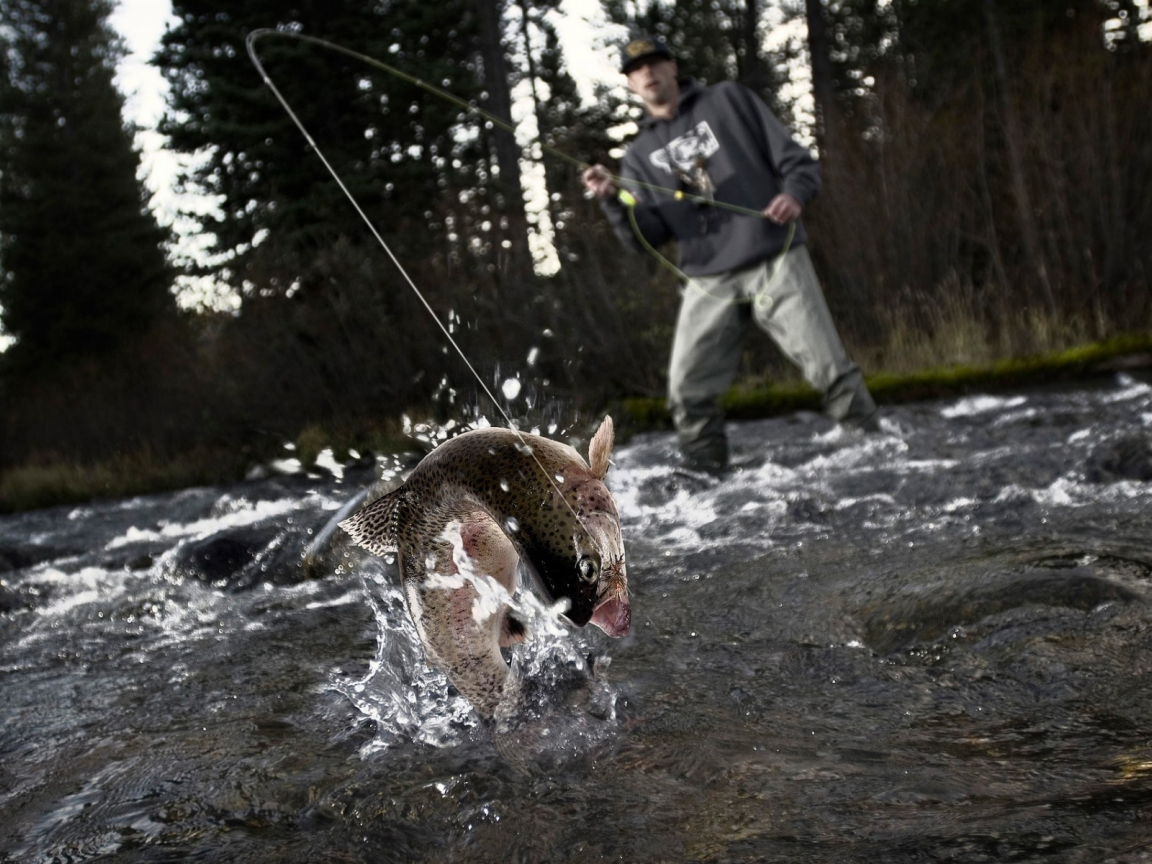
(925, 644)
(511, 388)
(411, 702)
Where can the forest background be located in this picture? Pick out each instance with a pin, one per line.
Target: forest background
(987, 194)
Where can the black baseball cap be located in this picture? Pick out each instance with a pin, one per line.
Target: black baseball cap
(639, 48)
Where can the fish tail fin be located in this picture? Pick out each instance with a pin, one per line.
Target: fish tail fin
(375, 527)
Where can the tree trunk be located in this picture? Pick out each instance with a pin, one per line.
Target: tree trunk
(1012, 137)
(552, 207)
(510, 192)
(829, 124)
(750, 67)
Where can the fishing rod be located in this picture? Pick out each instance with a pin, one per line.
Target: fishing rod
(251, 45)
(626, 198)
(677, 194)
(761, 301)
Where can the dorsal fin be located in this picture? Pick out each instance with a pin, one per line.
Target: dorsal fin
(376, 526)
(600, 449)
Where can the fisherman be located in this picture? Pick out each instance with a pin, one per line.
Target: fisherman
(722, 143)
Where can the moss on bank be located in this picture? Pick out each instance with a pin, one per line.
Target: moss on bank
(49, 482)
(751, 403)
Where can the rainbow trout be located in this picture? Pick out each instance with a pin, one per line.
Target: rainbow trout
(473, 509)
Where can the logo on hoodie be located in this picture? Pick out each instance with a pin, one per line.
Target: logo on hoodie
(684, 153)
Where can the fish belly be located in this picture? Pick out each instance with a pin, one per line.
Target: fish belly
(460, 594)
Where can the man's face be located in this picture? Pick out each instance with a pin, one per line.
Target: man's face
(654, 81)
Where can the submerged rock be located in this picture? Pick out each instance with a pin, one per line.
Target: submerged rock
(900, 622)
(1129, 458)
(237, 559)
(12, 600)
(12, 558)
(15, 557)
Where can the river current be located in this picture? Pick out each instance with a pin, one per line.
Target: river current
(930, 643)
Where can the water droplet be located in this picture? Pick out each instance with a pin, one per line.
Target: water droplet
(511, 524)
(505, 485)
(511, 388)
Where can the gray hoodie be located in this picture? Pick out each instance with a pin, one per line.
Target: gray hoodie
(749, 156)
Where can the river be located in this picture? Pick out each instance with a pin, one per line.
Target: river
(930, 643)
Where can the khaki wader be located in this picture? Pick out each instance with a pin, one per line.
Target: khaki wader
(783, 298)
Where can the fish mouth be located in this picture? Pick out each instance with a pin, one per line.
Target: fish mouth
(613, 616)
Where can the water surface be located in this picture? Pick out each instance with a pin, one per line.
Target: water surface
(927, 644)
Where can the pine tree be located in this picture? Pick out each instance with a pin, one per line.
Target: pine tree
(556, 109)
(83, 262)
(394, 145)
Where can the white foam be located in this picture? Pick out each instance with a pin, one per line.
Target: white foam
(959, 504)
(772, 474)
(923, 466)
(246, 514)
(97, 592)
(981, 405)
(847, 503)
(1132, 390)
(327, 460)
(286, 466)
(1011, 417)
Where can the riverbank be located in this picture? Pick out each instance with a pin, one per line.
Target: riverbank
(755, 402)
(53, 482)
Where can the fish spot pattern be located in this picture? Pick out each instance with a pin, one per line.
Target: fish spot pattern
(505, 487)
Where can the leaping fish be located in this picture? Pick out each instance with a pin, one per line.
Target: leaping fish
(467, 514)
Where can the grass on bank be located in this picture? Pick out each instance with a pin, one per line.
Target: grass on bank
(50, 482)
(765, 400)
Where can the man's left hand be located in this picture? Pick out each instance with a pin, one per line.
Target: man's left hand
(783, 209)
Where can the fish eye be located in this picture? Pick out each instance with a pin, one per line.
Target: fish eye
(587, 568)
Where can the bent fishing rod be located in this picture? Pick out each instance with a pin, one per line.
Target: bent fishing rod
(625, 197)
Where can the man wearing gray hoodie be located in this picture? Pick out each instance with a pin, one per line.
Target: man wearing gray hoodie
(722, 143)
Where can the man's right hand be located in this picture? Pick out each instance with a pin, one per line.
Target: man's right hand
(598, 181)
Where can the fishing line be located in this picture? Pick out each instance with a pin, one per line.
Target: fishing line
(625, 197)
(677, 194)
(760, 301)
(251, 45)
